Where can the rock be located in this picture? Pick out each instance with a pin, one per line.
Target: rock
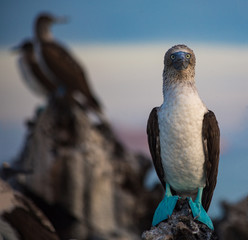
(91, 187)
(20, 218)
(83, 178)
(234, 223)
(181, 225)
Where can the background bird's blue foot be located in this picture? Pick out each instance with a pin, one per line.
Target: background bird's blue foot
(165, 207)
(39, 110)
(199, 212)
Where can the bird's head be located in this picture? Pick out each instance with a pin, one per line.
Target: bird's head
(43, 23)
(49, 19)
(179, 63)
(25, 47)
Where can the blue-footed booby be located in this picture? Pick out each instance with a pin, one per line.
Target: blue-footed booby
(184, 139)
(31, 72)
(58, 64)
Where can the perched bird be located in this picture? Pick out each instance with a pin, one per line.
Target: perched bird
(31, 72)
(184, 139)
(34, 77)
(58, 64)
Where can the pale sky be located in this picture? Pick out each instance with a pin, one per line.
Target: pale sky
(128, 80)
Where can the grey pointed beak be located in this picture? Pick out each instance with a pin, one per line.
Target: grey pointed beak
(61, 20)
(180, 62)
(15, 49)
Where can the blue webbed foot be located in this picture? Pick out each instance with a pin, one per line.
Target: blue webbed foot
(199, 212)
(165, 207)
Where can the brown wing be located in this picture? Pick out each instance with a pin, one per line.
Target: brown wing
(46, 83)
(154, 144)
(67, 71)
(211, 143)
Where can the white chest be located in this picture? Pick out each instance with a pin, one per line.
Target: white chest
(180, 120)
(42, 63)
(30, 79)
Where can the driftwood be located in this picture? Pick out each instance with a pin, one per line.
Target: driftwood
(20, 219)
(180, 225)
(87, 183)
(234, 223)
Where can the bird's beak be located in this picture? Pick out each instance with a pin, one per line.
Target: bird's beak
(62, 19)
(15, 49)
(180, 62)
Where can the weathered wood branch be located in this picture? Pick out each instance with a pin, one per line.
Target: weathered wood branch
(233, 224)
(20, 219)
(180, 225)
(82, 170)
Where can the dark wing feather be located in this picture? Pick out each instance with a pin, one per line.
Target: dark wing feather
(154, 144)
(211, 143)
(67, 70)
(46, 83)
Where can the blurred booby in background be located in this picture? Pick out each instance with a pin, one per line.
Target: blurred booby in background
(31, 72)
(59, 65)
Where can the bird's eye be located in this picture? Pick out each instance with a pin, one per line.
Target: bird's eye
(172, 56)
(188, 55)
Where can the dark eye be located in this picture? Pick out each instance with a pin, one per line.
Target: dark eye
(188, 55)
(172, 56)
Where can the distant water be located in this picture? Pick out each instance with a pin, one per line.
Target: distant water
(232, 179)
(11, 140)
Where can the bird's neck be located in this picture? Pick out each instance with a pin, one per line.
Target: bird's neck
(176, 85)
(43, 33)
(29, 56)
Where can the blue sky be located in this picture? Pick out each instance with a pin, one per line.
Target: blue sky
(132, 20)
